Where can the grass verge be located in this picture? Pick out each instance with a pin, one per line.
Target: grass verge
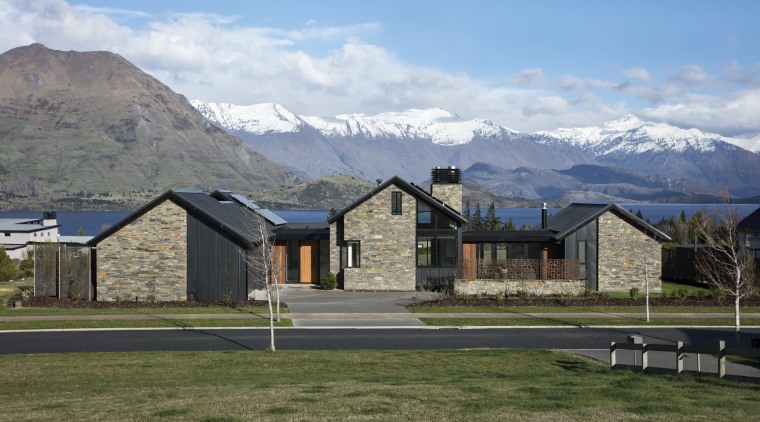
(575, 309)
(141, 323)
(356, 385)
(585, 322)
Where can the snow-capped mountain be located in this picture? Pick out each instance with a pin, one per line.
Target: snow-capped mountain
(632, 135)
(750, 144)
(407, 144)
(411, 142)
(659, 148)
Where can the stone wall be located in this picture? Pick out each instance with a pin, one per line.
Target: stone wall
(388, 244)
(449, 193)
(147, 258)
(511, 287)
(623, 249)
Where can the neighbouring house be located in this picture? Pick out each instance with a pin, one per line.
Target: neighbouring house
(16, 234)
(189, 244)
(749, 235)
(583, 247)
(399, 237)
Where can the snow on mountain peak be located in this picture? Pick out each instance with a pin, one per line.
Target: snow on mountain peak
(438, 125)
(257, 118)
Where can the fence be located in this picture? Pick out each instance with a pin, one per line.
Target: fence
(679, 350)
(519, 269)
(62, 271)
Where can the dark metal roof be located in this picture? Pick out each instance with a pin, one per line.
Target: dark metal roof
(271, 217)
(228, 218)
(750, 223)
(507, 236)
(317, 230)
(577, 215)
(408, 188)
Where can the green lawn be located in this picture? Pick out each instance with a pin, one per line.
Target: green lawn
(585, 322)
(356, 385)
(573, 309)
(142, 323)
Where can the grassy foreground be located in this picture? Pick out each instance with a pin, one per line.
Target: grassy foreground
(355, 385)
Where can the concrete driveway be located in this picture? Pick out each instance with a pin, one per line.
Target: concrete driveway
(329, 308)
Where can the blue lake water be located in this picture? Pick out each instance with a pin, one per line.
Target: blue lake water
(93, 222)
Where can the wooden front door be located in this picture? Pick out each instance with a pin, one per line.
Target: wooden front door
(309, 254)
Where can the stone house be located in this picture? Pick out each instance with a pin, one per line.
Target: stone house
(398, 236)
(183, 244)
(583, 247)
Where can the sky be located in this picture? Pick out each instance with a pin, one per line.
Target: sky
(526, 65)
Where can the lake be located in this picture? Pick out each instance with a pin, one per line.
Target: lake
(93, 222)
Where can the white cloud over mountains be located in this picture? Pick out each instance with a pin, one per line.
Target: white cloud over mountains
(322, 70)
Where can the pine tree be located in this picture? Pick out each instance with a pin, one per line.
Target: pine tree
(477, 220)
(509, 225)
(492, 222)
(467, 215)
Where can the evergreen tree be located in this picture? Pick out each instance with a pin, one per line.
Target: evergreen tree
(8, 269)
(509, 225)
(477, 220)
(639, 214)
(467, 215)
(492, 222)
(682, 217)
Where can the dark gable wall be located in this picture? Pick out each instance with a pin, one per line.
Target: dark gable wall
(215, 268)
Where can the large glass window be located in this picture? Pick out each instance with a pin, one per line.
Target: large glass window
(396, 203)
(424, 214)
(437, 251)
(350, 254)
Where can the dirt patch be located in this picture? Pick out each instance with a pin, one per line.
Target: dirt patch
(51, 302)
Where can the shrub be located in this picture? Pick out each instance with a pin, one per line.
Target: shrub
(329, 282)
(682, 294)
(26, 292)
(717, 293)
(634, 291)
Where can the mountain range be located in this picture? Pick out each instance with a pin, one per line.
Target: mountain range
(675, 162)
(91, 126)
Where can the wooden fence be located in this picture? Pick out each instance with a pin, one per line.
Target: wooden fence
(679, 350)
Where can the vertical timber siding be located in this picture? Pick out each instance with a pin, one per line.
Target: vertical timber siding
(148, 257)
(620, 246)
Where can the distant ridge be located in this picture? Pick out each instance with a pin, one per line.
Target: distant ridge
(88, 125)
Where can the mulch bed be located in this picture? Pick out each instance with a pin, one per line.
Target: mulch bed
(51, 302)
(585, 301)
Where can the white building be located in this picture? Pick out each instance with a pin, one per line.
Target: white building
(17, 233)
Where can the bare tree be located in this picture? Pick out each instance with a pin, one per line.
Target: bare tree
(260, 263)
(724, 262)
(646, 254)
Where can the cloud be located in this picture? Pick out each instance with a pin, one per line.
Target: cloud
(691, 75)
(327, 70)
(527, 77)
(731, 114)
(637, 73)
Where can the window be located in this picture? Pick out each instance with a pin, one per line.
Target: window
(396, 203)
(7, 235)
(350, 254)
(424, 214)
(437, 252)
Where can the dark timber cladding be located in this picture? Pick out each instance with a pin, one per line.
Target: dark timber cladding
(216, 268)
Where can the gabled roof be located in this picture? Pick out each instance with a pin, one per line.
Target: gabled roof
(411, 190)
(750, 223)
(228, 218)
(575, 216)
(268, 215)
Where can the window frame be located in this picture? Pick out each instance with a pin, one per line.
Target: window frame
(350, 254)
(396, 203)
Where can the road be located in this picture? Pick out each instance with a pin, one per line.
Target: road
(32, 342)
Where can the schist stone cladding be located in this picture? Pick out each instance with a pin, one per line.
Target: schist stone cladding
(146, 259)
(624, 249)
(387, 242)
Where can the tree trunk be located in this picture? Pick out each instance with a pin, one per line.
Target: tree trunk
(271, 321)
(646, 280)
(736, 311)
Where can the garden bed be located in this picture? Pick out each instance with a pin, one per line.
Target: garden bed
(52, 302)
(599, 300)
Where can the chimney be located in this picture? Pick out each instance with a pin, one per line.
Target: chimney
(49, 218)
(379, 181)
(544, 217)
(446, 186)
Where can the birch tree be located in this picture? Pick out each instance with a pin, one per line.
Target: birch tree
(724, 262)
(260, 263)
